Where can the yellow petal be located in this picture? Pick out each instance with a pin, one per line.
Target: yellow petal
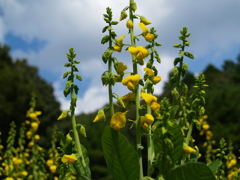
(155, 106)
(149, 71)
(187, 149)
(155, 79)
(133, 50)
(118, 120)
(149, 37)
(144, 28)
(148, 98)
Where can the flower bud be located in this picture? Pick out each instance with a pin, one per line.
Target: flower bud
(100, 116)
(129, 23)
(123, 15)
(145, 20)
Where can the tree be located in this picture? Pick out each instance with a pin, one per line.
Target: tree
(18, 80)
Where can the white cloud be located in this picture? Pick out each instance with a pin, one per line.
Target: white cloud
(72, 23)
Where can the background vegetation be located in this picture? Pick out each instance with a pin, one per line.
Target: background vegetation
(18, 80)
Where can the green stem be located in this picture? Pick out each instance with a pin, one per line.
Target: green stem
(180, 68)
(110, 85)
(137, 100)
(75, 132)
(149, 144)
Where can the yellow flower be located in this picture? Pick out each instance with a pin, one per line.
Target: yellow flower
(34, 125)
(154, 79)
(120, 67)
(29, 134)
(49, 162)
(69, 158)
(1, 147)
(144, 28)
(149, 37)
(24, 173)
(9, 178)
(155, 106)
(118, 120)
(146, 121)
(187, 149)
(128, 100)
(146, 35)
(131, 81)
(100, 116)
(119, 44)
(53, 168)
(151, 101)
(139, 52)
(205, 126)
(129, 23)
(37, 137)
(33, 115)
(30, 144)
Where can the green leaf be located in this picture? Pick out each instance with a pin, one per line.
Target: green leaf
(68, 84)
(66, 74)
(76, 89)
(181, 53)
(176, 61)
(161, 147)
(78, 77)
(188, 54)
(105, 39)
(66, 92)
(114, 23)
(62, 138)
(79, 164)
(121, 157)
(177, 45)
(104, 29)
(215, 165)
(190, 171)
(67, 64)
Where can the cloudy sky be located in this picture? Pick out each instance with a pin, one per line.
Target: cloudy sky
(43, 31)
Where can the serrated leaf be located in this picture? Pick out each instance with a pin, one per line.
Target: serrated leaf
(66, 74)
(78, 77)
(121, 157)
(190, 171)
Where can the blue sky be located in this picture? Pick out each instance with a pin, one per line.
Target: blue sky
(43, 31)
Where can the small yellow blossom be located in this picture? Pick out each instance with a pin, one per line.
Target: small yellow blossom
(151, 101)
(119, 44)
(154, 79)
(131, 81)
(139, 52)
(53, 168)
(118, 120)
(1, 147)
(30, 144)
(128, 100)
(29, 134)
(146, 121)
(120, 67)
(49, 162)
(144, 28)
(9, 178)
(69, 158)
(205, 126)
(129, 23)
(100, 116)
(24, 173)
(33, 115)
(34, 125)
(187, 149)
(37, 137)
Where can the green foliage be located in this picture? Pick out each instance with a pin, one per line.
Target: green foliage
(121, 157)
(18, 80)
(194, 170)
